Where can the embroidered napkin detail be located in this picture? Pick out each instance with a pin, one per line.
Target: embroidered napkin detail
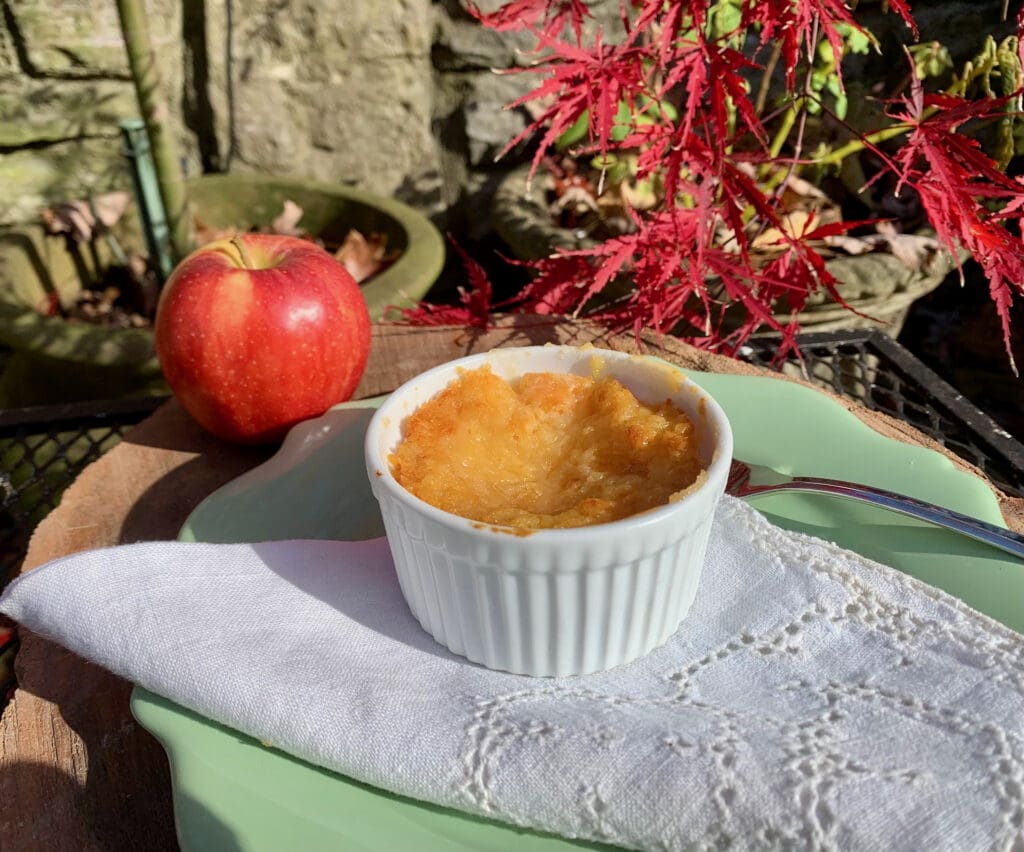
(812, 698)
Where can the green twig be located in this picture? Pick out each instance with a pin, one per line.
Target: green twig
(766, 78)
(855, 146)
(788, 120)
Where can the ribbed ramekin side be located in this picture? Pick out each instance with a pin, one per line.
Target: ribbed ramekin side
(519, 614)
(405, 555)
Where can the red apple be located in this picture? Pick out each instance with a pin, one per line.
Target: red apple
(258, 332)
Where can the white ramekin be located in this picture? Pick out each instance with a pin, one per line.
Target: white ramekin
(554, 602)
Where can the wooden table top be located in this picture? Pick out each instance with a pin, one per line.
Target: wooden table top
(76, 772)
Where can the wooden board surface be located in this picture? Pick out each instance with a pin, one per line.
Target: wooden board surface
(76, 772)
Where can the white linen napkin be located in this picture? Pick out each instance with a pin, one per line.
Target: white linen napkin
(812, 698)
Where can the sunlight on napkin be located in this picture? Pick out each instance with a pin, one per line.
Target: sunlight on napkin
(812, 698)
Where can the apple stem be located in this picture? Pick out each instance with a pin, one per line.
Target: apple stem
(242, 253)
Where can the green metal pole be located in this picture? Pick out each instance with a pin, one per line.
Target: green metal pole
(147, 195)
(146, 76)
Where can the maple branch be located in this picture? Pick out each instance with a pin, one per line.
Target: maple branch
(870, 140)
(855, 146)
(799, 108)
(786, 127)
(807, 93)
(766, 79)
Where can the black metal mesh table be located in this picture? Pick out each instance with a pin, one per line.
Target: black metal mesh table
(876, 371)
(43, 449)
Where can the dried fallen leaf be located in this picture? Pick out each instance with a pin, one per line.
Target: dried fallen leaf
(577, 199)
(799, 192)
(362, 256)
(72, 218)
(793, 225)
(83, 220)
(286, 223)
(852, 245)
(913, 250)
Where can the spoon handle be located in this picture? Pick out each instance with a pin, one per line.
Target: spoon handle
(983, 531)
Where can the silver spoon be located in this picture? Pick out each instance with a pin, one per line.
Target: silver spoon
(768, 480)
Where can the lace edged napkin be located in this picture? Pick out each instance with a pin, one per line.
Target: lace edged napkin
(811, 699)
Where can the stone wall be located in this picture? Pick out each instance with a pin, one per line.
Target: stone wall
(63, 87)
(338, 91)
(394, 96)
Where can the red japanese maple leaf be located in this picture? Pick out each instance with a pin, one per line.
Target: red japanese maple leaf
(797, 24)
(967, 199)
(474, 308)
(690, 267)
(580, 82)
(669, 276)
(549, 16)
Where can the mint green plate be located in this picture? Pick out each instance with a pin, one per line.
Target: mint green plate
(231, 793)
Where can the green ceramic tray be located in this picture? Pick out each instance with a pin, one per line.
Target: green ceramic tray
(231, 793)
